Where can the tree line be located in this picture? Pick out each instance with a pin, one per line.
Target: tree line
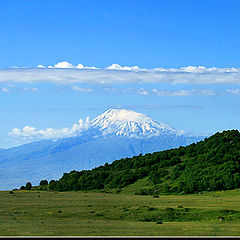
(209, 165)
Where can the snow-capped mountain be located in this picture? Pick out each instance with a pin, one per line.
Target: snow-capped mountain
(115, 134)
(122, 122)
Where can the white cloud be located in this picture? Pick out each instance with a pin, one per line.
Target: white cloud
(142, 91)
(118, 67)
(193, 69)
(65, 64)
(79, 89)
(66, 73)
(235, 91)
(182, 92)
(80, 66)
(4, 89)
(206, 92)
(111, 89)
(41, 66)
(180, 132)
(27, 89)
(12, 88)
(31, 133)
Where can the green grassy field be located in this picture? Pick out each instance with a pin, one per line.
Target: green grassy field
(43, 213)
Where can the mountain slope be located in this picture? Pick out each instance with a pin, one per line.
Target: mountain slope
(212, 164)
(105, 140)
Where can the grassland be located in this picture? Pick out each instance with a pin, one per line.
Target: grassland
(44, 213)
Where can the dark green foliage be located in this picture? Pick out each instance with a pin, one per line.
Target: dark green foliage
(209, 165)
(28, 186)
(22, 188)
(157, 175)
(52, 181)
(43, 183)
(144, 192)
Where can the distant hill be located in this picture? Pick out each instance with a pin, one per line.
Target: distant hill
(211, 164)
(115, 134)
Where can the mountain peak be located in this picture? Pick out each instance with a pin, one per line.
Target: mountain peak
(120, 114)
(122, 122)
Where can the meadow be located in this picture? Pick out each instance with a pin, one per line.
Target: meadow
(115, 213)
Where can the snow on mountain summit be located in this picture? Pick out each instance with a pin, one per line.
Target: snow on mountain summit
(122, 122)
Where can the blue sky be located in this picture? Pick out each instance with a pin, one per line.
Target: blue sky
(147, 33)
(161, 37)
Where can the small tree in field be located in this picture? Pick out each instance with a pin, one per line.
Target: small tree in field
(43, 183)
(28, 186)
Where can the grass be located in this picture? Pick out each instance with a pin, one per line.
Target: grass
(43, 213)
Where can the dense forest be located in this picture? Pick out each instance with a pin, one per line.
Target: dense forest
(209, 165)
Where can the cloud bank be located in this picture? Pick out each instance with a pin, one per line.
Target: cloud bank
(67, 73)
(31, 133)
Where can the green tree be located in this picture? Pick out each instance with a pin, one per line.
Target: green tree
(28, 186)
(43, 183)
(52, 181)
